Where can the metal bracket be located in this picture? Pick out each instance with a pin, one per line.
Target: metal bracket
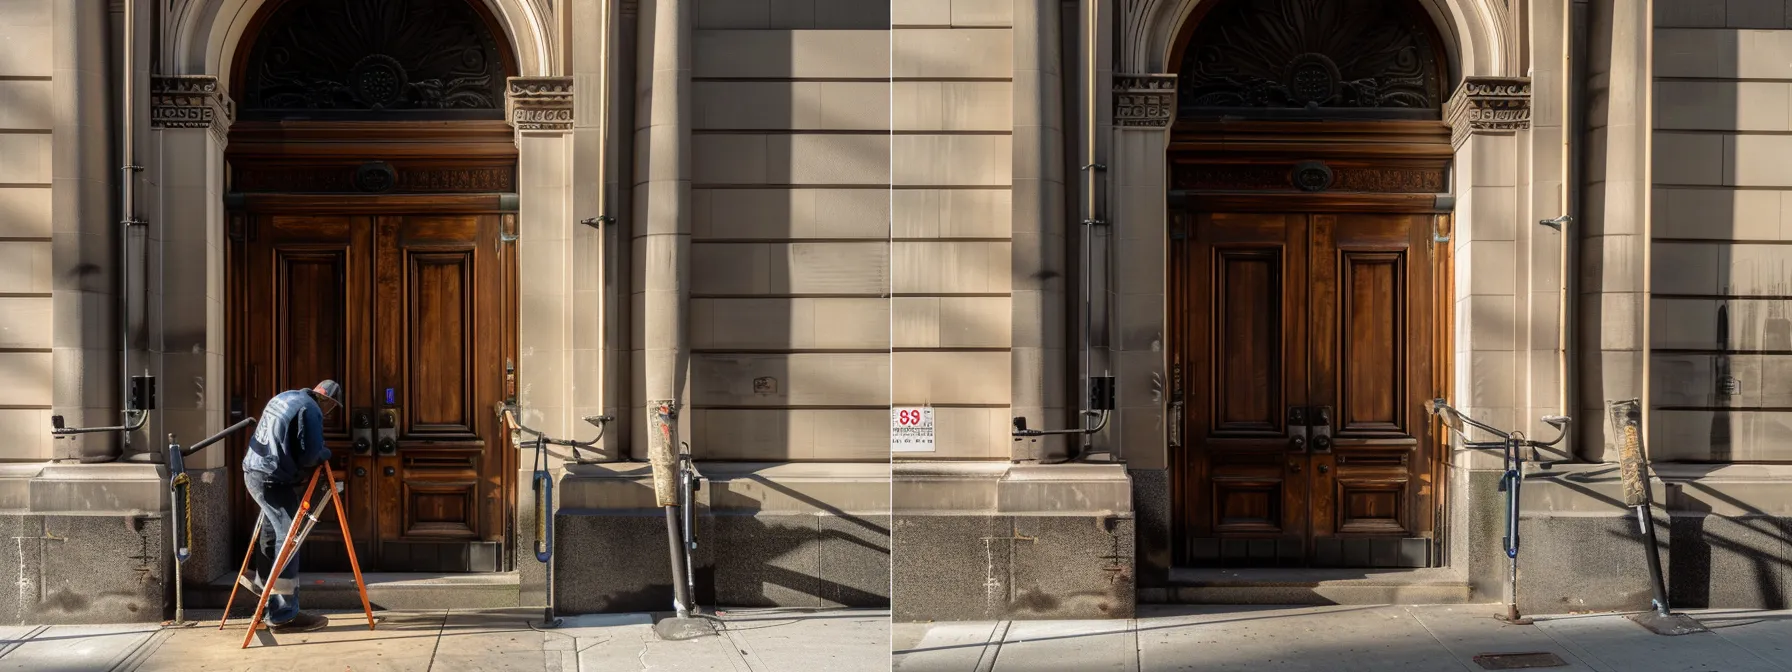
(1558, 222)
(598, 221)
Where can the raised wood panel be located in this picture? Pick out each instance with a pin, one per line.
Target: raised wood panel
(1247, 505)
(407, 303)
(1371, 505)
(1348, 329)
(1373, 364)
(440, 352)
(313, 337)
(1249, 394)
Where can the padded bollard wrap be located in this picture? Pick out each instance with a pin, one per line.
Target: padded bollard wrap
(662, 439)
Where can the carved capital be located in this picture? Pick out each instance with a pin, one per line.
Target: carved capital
(1488, 105)
(188, 101)
(1144, 101)
(539, 103)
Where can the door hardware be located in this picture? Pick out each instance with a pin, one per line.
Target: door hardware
(390, 471)
(361, 427)
(1297, 429)
(1321, 429)
(388, 431)
(1324, 469)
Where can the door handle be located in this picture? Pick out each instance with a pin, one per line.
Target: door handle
(1297, 429)
(1321, 429)
(388, 431)
(361, 428)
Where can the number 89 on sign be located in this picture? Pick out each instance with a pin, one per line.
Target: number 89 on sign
(911, 429)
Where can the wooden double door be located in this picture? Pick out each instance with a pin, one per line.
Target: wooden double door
(408, 313)
(1305, 353)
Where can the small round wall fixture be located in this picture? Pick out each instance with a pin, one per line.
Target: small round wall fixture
(375, 177)
(1311, 176)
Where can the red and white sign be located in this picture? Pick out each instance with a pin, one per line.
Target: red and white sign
(911, 429)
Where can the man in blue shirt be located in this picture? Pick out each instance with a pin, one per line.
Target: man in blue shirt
(288, 443)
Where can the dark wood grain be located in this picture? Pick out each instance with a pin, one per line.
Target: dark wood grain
(1314, 309)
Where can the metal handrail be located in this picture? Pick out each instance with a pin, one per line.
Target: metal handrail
(1512, 445)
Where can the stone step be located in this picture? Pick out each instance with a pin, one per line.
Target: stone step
(1310, 587)
(385, 590)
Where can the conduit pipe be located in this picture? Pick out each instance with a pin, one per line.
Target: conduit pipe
(127, 209)
(1091, 218)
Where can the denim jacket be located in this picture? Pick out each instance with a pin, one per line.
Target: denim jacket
(288, 438)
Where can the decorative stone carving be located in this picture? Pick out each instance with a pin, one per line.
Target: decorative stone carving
(188, 101)
(540, 103)
(390, 59)
(1310, 176)
(372, 177)
(1144, 101)
(1300, 58)
(1489, 105)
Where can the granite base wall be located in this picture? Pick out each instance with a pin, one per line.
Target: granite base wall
(85, 569)
(1599, 563)
(1152, 511)
(973, 566)
(618, 560)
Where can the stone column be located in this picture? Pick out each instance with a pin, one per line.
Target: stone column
(183, 199)
(597, 243)
(541, 110)
(84, 230)
(662, 232)
(1486, 116)
(1144, 107)
(1615, 240)
(1039, 378)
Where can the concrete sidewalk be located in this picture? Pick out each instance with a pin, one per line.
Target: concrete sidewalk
(1340, 639)
(753, 640)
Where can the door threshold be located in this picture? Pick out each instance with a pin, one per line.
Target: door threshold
(386, 590)
(1310, 586)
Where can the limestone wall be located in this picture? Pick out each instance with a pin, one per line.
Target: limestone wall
(29, 127)
(1722, 213)
(790, 254)
(953, 217)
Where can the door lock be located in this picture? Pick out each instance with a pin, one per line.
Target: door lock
(388, 431)
(361, 428)
(1297, 429)
(1322, 429)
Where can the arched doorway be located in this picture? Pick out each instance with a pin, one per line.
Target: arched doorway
(1308, 283)
(372, 187)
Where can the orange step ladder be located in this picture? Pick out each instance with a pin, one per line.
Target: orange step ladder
(295, 536)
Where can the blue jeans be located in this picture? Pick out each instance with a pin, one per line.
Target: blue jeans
(279, 505)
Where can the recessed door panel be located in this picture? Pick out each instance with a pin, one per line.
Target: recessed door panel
(1303, 357)
(407, 313)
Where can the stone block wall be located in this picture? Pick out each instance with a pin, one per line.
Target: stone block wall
(953, 219)
(790, 252)
(29, 119)
(1720, 325)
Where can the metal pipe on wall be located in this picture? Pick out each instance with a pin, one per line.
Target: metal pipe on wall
(606, 68)
(128, 221)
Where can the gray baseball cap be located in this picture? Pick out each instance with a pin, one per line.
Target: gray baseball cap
(329, 388)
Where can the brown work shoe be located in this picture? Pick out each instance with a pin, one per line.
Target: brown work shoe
(301, 623)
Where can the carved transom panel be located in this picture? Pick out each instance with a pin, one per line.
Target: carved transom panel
(399, 59)
(1313, 58)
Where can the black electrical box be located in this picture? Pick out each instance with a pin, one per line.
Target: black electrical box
(143, 393)
(1101, 393)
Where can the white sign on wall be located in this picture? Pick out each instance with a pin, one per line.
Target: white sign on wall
(911, 429)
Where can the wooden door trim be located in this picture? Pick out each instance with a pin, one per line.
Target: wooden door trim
(1190, 312)
(1303, 203)
(373, 204)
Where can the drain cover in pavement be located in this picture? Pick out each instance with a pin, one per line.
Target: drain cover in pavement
(1519, 661)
